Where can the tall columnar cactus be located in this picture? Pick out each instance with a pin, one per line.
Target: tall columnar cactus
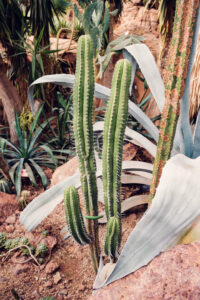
(183, 30)
(114, 128)
(74, 218)
(115, 123)
(83, 132)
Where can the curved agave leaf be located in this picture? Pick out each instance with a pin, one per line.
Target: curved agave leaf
(102, 92)
(183, 139)
(145, 60)
(171, 213)
(132, 136)
(196, 147)
(45, 203)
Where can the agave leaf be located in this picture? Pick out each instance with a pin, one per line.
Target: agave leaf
(45, 203)
(128, 204)
(102, 92)
(185, 102)
(40, 173)
(148, 67)
(196, 147)
(18, 182)
(132, 136)
(30, 174)
(172, 212)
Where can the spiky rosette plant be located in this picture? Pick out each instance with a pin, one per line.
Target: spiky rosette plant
(114, 129)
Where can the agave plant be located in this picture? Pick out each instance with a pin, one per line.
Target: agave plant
(28, 154)
(5, 185)
(60, 139)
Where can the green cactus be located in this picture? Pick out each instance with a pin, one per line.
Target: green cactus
(74, 218)
(115, 123)
(113, 236)
(179, 53)
(83, 132)
(114, 128)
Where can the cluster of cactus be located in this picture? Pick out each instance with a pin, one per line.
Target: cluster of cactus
(6, 244)
(115, 122)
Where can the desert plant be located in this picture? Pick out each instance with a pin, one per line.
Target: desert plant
(28, 154)
(61, 139)
(114, 129)
(113, 140)
(5, 185)
(83, 132)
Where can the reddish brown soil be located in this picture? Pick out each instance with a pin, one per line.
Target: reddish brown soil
(74, 278)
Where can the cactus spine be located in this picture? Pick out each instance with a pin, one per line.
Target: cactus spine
(83, 132)
(74, 218)
(114, 128)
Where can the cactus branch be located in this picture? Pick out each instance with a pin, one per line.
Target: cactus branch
(113, 233)
(74, 218)
(83, 132)
(185, 17)
(114, 128)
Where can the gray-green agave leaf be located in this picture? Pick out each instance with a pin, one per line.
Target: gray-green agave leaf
(172, 212)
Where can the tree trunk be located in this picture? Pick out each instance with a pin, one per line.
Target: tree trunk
(10, 100)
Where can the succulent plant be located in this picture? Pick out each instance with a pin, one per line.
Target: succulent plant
(74, 218)
(114, 129)
(5, 186)
(41, 250)
(83, 132)
(113, 236)
(2, 239)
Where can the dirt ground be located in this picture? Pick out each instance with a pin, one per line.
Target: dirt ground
(67, 271)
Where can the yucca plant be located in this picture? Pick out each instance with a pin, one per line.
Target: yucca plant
(28, 154)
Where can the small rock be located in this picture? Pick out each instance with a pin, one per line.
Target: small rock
(57, 278)
(49, 283)
(20, 268)
(49, 241)
(81, 288)
(11, 219)
(51, 267)
(63, 292)
(129, 151)
(9, 228)
(36, 294)
(133, 217)
(64, 171)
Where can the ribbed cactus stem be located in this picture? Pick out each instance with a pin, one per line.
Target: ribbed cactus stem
(179, 53)
(74, 218)
(83, 132)
(113, 233)
(114, 128)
